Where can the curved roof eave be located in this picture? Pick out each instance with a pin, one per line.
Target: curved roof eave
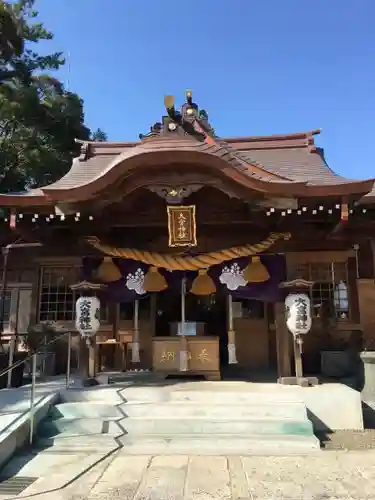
(25, 200)
(148, 157)
(153, 154)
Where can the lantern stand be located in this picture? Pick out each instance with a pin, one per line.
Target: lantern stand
(298, 286)
(89, 289)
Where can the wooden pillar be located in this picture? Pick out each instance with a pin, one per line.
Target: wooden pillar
(353, 290)
(153, 312)
(184, 355)
(283, 342)
(232, 358)
(35, 287)
(135, 339)
(92, 365)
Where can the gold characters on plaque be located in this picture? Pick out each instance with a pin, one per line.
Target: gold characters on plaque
(203, 356)
(172, 356)
(182, 229)
(167, 356)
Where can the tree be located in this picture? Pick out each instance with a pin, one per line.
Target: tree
(39, 118)
(99, 136)
(11, 41)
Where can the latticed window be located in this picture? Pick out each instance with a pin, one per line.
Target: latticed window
(57, 300)
(7, 303)
(330, 293)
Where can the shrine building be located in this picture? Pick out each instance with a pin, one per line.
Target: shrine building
(188, 240)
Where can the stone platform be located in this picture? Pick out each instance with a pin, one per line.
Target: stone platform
(327, 476)
(146, 439)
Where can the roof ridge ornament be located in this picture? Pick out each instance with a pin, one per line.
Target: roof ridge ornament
(84, 150)
(181, 122)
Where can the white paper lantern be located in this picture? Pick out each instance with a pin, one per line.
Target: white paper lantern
(87, 316)
(298, 313)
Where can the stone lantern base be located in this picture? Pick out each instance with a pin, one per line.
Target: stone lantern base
(301, 381)
(368, 366)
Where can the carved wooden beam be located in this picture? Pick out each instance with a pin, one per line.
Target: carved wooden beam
(344, 217)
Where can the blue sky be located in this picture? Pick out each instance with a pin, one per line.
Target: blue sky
(258, 67)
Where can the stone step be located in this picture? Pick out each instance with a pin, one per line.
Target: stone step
(265, 445)
(160, 426)
(100, 394)
(189, 409)
(236, 397)
(79, 427)
(86, 409)
(77, 444)
(172, 427)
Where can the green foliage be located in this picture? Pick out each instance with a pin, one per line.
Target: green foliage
(39, 335)
(39, 118)
(99, 136)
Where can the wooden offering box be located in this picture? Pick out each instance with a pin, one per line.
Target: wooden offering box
(203, 357)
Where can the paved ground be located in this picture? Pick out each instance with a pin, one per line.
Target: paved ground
(347, 440)
(328, 475)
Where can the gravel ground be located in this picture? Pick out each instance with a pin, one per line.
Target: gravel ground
(348, 440)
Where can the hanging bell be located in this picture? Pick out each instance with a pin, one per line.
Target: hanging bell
(108, 271)
(203, 284)
(154, 281)
(256, 271)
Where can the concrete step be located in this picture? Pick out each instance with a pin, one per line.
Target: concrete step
(79, 427)
(86, 409)
(77, 444)
(189, 409)
(237, 397)
(100, 394)
(219, 445)
(197, 426)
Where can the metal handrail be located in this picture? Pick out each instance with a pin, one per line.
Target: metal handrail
(33, 357)
(38, 351)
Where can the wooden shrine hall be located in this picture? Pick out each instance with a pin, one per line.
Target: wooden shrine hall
(188, 239)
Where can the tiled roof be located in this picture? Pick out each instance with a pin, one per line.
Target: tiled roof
(280, 160)
(290, 158)
(99, 160)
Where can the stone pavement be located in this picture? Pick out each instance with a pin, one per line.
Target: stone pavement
(329, 475)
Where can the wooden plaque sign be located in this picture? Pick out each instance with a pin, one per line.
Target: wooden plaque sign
(182, 226)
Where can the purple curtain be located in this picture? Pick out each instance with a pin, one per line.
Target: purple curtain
(118, 291)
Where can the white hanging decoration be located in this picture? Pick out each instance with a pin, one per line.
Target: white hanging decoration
(87, 316)
(298, 313)
(136, 282)
(232, 358)
(232, 277)
(184, 359)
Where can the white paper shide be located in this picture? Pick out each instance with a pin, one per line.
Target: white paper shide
(298, 313)
(87, 316)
